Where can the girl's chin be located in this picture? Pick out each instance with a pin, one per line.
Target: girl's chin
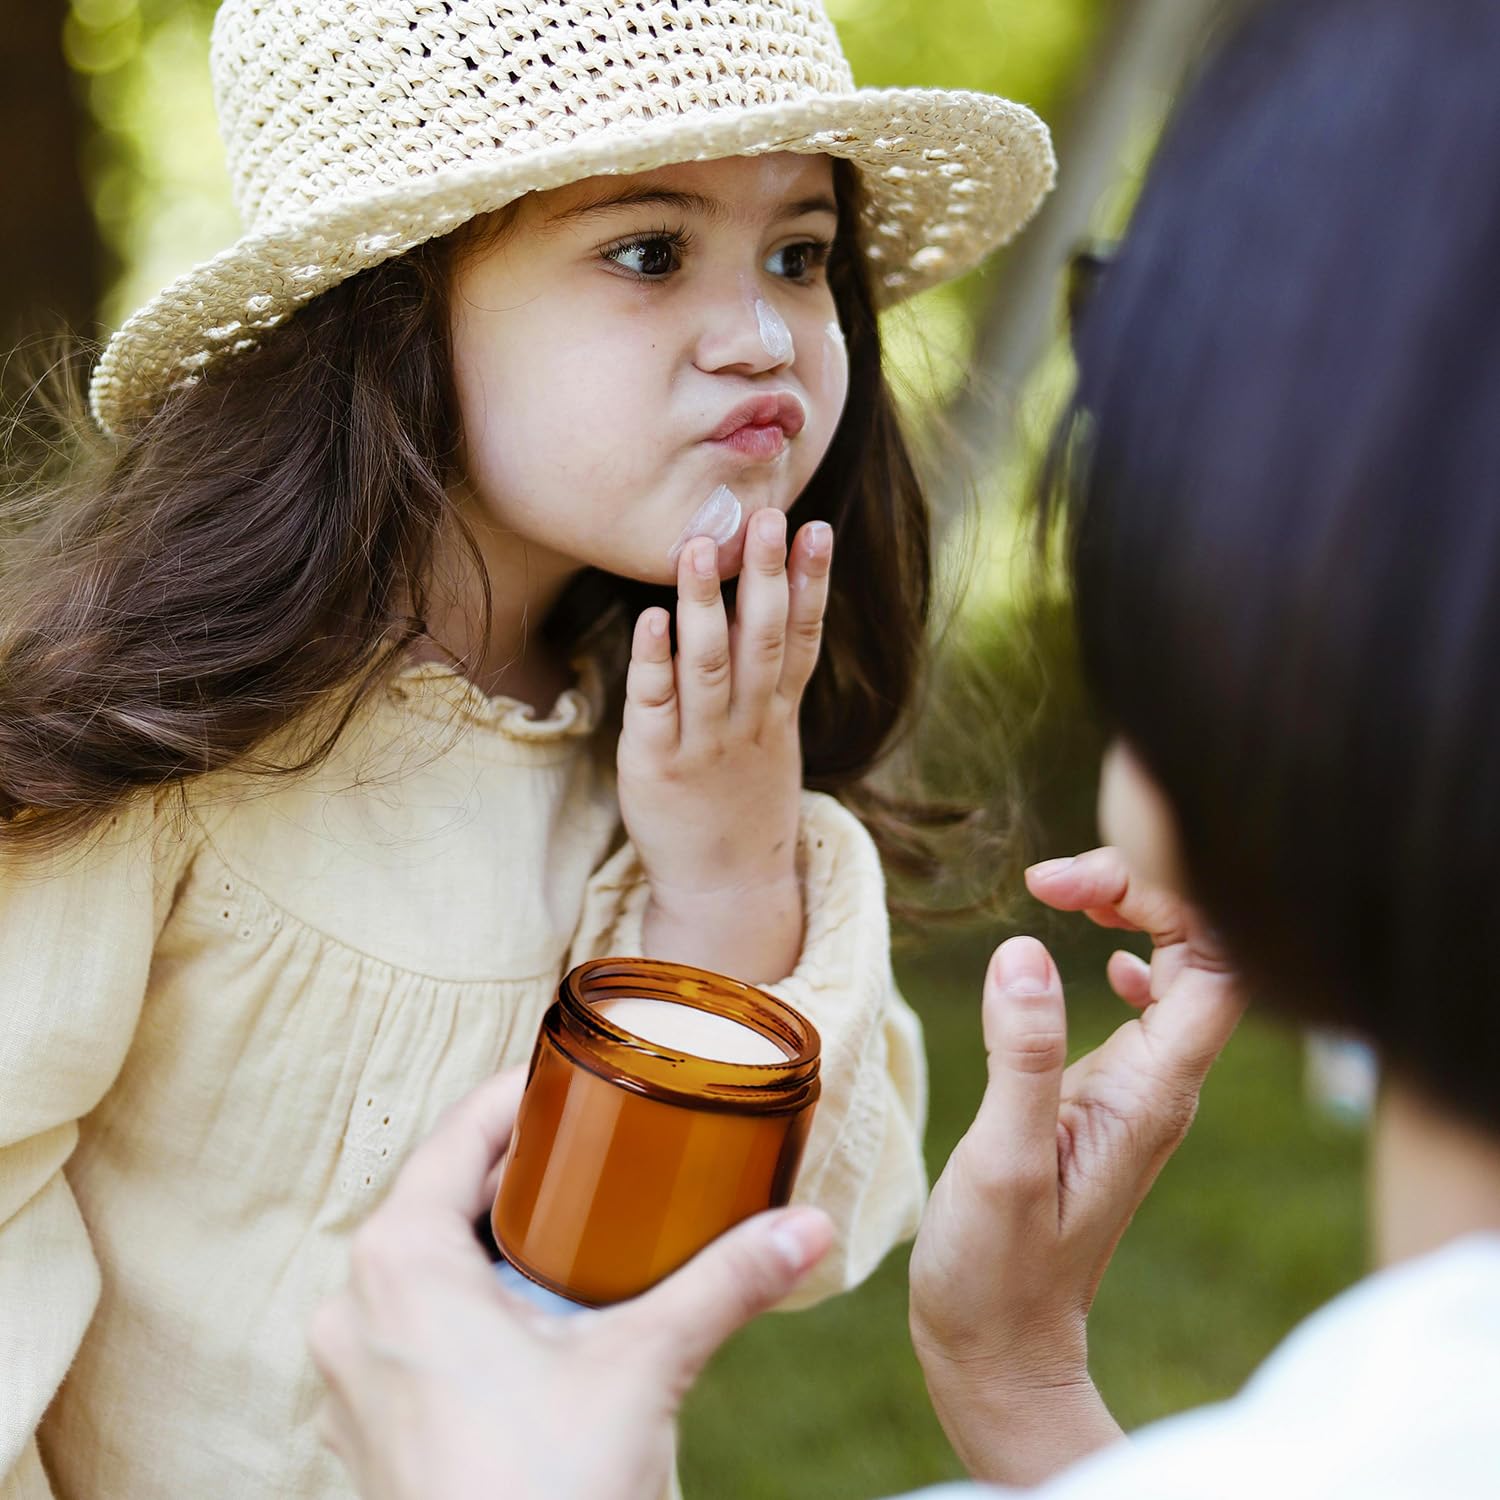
(664, 572)
(731, 560)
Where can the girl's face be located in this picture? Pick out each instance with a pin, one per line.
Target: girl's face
(632, 345)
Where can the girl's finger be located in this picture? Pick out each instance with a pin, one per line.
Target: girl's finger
(811, 560)
(760, 617)
(651, 685)
(1100, 884)
(1130, 978)
(702, 642)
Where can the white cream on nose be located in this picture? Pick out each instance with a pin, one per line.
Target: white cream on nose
(775, 336)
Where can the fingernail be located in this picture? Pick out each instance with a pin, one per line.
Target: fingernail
(819, 537)
(768, 525)
(797, 1236)
(705, 555)
(1050, 867)
(1021, 966)
(657, 625)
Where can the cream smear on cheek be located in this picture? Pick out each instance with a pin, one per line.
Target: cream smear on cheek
(835, 355)
(775, 336)
(718, 518)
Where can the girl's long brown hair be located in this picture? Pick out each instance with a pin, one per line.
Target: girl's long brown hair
(175, 598)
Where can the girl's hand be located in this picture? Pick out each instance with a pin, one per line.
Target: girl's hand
(1036, 1195)
(441, 1383)
(710, 758)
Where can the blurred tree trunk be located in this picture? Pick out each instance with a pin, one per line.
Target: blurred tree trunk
(49, 250)
(1140, 59)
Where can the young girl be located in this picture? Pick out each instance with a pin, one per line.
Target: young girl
(310, 673)
(1285, 547)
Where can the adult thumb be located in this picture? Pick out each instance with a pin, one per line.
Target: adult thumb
(742, 1274)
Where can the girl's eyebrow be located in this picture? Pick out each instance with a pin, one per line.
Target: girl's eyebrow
(694, 203)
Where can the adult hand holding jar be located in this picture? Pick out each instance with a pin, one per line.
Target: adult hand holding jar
(416, 1350)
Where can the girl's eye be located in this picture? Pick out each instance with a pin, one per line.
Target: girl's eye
(801, 261)
(652, 258)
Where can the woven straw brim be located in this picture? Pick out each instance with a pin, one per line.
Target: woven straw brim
(949, 177)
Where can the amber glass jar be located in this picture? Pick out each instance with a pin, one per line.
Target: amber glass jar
(628, 1156)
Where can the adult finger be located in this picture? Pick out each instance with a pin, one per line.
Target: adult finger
(1193, 1020)
(808, 572)
(446, 1174)
(651, 685)
(1100, 883)
(760, 617)
(683, 1320)
(332, 1341)
(1107, 916)
(330, 1337)
(1013, 1141)
(491, 1187)
(1130, 978)
(702, 641)
(332, 1430)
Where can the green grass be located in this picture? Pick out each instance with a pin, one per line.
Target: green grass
(1255, 1222)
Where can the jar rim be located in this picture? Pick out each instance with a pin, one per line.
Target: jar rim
(646, 1066)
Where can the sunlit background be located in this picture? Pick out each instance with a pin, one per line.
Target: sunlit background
(117, 186)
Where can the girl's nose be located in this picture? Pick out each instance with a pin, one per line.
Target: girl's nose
(745, 334)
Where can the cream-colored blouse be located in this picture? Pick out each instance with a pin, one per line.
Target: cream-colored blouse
(220, 1034)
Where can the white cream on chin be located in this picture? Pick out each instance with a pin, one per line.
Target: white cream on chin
(718, 518)
(774, 334)
(684, 1028)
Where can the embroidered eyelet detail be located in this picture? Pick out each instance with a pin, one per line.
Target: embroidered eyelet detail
(367, 1148)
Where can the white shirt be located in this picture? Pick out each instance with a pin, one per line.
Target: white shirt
(1390, 1392)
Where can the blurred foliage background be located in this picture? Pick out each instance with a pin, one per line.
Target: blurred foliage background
(115, 184)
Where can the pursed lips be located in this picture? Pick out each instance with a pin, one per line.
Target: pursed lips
(762, 426)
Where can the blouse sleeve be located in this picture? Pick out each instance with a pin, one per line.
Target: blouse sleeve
(76, 935)
(863, 1164)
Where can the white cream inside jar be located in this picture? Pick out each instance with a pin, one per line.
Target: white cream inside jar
(699, 1033)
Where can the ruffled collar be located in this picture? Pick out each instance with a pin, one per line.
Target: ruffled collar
(440, 690)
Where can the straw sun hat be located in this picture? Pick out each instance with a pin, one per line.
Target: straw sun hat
(357, 129)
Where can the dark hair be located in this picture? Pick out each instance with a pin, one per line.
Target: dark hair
(174, 598)
(1282, 475)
